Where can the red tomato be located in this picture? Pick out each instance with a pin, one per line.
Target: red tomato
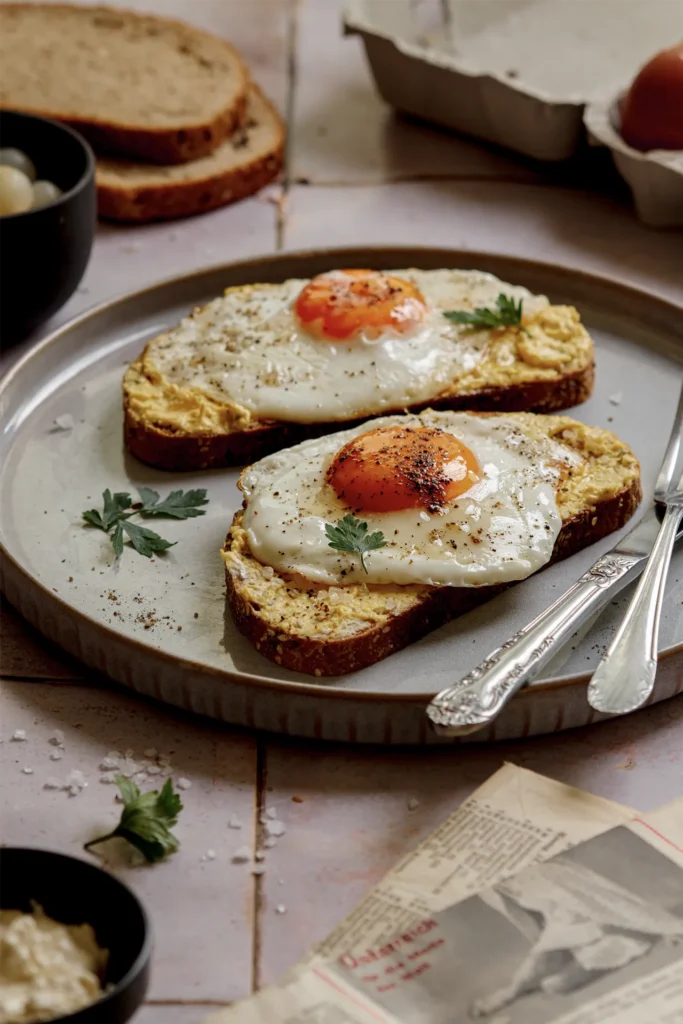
(652, 113)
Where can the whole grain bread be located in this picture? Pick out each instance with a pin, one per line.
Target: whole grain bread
(331, 631)
(135, 84)
(246, 161)
(157, 440)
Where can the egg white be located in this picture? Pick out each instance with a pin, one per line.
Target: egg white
(502, 529)
(247, 347)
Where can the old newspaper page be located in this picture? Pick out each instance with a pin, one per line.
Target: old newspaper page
(516, 819)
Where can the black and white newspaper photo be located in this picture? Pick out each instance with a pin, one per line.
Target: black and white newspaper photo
(575, 940)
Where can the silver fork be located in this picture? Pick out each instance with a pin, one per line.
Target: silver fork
(475, 700)
(625, 677)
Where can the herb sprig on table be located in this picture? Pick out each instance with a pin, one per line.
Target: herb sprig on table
(119, 508)
(507, 313)
(146, 820)
(351, 534)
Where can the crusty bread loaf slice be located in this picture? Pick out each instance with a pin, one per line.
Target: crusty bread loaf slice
(250, 158)
(183, 428)
(144, 86)
(330, 631)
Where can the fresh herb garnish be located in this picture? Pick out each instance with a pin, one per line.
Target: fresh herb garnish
(146, 820)
(507, 313)
(350, 534)
(119, 508)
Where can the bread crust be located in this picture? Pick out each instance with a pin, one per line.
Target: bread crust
(158, 145)
(164, 449)
(169, 200)
(329, 656)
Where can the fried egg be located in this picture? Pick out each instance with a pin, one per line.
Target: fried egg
(343, 345)
(459, 499)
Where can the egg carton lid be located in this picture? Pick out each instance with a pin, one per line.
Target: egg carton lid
(654, 177)
(514, 72)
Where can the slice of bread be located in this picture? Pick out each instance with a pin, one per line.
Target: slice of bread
(330, 631)
(184, 428)
(250, 158)
(143, 86)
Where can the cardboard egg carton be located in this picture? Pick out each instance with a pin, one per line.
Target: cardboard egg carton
(517, 73)
(655, 178)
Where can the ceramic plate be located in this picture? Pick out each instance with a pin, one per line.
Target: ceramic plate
(160, 626)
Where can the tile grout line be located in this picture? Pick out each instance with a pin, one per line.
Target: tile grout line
(186, 1002)
(474, 179)
(292, 75)
(259, 810)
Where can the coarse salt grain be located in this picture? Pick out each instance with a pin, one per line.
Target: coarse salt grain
(64, 421)
(270, 842)
(77, 778)
(241, 855)
(258, 869)
(52, 783)
(129, 754)
(107, 763)
(275, 828)
(281, 909)
(615, 399)
(57, 738)
(27, 771)
(413, 803)
(271, 813)
(150, 752)
(209, 855)
(183, 783)
(19, 735)
(259, 855)
(234, 822)
(107, 779)
(57, 756)
(154, 769)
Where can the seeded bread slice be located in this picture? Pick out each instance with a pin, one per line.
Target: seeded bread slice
(331, 631)
(250, 158)
(534, 381)
(136, 84)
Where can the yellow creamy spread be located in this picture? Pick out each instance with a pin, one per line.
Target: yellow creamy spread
(295, 607)
(187, 410)
(554, 343)
(47, 969)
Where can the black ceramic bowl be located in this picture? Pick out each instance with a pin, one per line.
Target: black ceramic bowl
(44, 252)
(74, 892)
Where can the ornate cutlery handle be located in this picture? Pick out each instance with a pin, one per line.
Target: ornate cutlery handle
(475, 700)
(625, 677)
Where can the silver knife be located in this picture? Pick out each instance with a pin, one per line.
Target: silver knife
(474, 701)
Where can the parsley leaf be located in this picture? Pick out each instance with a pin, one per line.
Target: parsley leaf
(350, 534)
(178, 505)
(146, 820)
(145, 541)
(117, 539)
(507, 313)
(118, 510)
(114, 506)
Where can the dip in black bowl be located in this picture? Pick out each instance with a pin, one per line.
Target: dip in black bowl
(71, 891)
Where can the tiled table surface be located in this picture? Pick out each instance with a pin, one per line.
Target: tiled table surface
(355, 175)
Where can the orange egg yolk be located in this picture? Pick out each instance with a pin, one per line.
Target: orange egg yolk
(343, 304)
(395, 468)
(652, 111)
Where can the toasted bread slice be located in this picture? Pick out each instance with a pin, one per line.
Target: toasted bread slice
(144, 86)
(181, 426)
(330, 631)
(250, 158)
